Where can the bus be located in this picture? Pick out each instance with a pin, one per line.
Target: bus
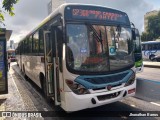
(11, 54)
(81, 56)
(151, 50)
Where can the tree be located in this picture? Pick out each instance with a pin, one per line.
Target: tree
(146, 36)
(154, 26)
(8, 6)
(153, 30)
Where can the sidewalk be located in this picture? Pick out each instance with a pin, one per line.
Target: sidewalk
(14, 100)
(151, 64)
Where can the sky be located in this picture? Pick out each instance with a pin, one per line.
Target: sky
(29, 13)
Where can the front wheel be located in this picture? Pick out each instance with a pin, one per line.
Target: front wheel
(44, 88)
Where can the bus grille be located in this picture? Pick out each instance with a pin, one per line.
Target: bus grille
(106, 79)
(108, 96)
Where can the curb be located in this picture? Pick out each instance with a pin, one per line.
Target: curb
(152, 66)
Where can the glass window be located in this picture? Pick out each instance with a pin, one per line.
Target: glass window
(146, 46)
(150, 46)
(97, 48)
(25, 46)
(159, 46)
(41, 42)
(30, 44)
(143, 46)
(35, 43)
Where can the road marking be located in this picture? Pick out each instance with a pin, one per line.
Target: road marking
(155, 103)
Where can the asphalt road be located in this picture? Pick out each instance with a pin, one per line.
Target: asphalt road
(138, 103)
(148, 85)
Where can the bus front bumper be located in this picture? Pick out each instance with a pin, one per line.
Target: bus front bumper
(74, 102)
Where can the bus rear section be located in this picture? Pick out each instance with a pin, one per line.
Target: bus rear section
(151, 50)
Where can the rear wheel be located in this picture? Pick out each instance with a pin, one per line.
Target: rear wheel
(151, 57)
(24, 73)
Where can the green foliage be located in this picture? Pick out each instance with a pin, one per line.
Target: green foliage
(153, 30)
(146, 37)
(7, 6)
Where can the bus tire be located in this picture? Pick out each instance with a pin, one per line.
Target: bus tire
(17, 63)
(44, 87)
(24, 72)
(151, 57)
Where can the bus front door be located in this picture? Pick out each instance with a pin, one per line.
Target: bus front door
(51, 67)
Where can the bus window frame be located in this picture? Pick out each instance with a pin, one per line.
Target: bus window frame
(93, 23)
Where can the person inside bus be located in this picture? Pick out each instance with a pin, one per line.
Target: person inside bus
(9, 61)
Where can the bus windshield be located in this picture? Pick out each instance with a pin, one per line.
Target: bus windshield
(97, 48)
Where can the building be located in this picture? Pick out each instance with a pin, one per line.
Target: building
(53, 4)
(148, 14)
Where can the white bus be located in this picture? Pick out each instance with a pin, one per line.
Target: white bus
(82, 56)
(151, 50)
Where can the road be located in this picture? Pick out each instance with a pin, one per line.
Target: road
(141, 102)
(148, 85)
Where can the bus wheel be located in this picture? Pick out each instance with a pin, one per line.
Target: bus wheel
(151, 57)
(24, 73)
(44, 87)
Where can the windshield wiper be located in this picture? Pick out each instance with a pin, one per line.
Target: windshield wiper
(95, 33)
(99, 37)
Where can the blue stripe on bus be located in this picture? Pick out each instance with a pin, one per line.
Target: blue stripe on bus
(81, 80)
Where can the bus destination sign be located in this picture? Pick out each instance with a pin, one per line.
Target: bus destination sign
(96, 13)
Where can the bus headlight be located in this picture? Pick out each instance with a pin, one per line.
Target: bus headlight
(131, 80)
(77, 88)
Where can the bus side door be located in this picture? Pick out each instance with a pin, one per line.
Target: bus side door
(53, 55)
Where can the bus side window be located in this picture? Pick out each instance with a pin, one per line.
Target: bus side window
(146, 47)
(159, 46)
(143, 47)
(41, 42)
(35, 42)
(30, 44)
(25, 46)
(60, 44)
(149, 46)
(154, 47)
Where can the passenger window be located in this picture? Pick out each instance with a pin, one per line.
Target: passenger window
(142, 47)
(35, 42)
(41, 42)
(30, 44)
